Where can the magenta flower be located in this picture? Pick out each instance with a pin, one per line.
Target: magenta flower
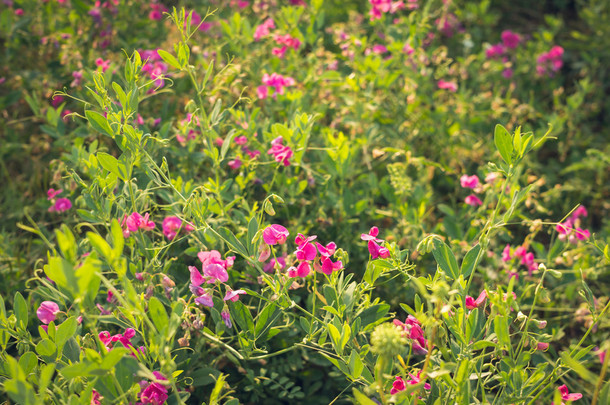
(171, 226)
(262, 92)
(377, 251)
(233, 295)
(154, 393)
(264, 29)
(550, 62)
(102, 64)
(302, 270)
(566, 396)
(61, 205)
(510, 39)
(215, 272)
(275, 235)
(328, 266)
(447, 85)
(469, 181)
(280, 152)
(495, 51)
(269, 267)
(96, 398)
(328, 250)
(542, 346)
(398, 385)
(306, 251)
(372, 235)
(473, 201)
(412, 330)
(234, 164)
(205, 299)
(471, 303)
(506, 253)
(47, 311)
(134, 222)
(241, 140)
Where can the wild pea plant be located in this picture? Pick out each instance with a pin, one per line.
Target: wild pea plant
(186, 269)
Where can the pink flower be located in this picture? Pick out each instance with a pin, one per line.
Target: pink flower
(473, 200)
(398, 385)
(601, 354)
(241, 140)
(275, 235)
(301, 239)
(47, 311)
(447, 85)
(412, 330)
(510, 39)
(507, 73)
(262, 92)
(471, 303)
(506, 253)
(495, 51)
(171, 226)
(377, 251)
(469, 181)
(566, 396)
(550, 62)
(302, 270)
(215, 272)
(235, 164)
(264, 29)
(135, 221)
(306, 251)
(581, 211)
(542, 346)
(205, 299)
(96, 398)
(102, 64)
(51, 193)
(154, 393)
(269, 267)
(328, 250)
(281, 153)
(61, 205)
(233, 295)
(328, 266)
(372, 235)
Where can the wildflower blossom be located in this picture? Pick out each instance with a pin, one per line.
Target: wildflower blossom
(280, 152)
(411, 329)
(61, 205)
(233, 295)
(510, 39)
(264, 29)
(172, 224)
(473, 201)
(566, 396)
(469, 181)
(154, 393)
(47, 311)
(550, 62)
(471, 303)
(447, 85)
(226, 317)
(275, 235)
(102, 64)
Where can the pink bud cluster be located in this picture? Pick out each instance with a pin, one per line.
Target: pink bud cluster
(570, 229)
(284, 42)
(520, 252)
(411, 329)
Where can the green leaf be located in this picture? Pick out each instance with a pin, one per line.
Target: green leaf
(226, 143)
(65, 331)
(21, 310)
(501, 329)
(118, 240)
(469, 260)
(445, 259)
(242, 316)
(113, 357)
(265, 319)
(99, 122)
(100, 245)
(27, 362)
(158, 314)
(169, 58)
(373, 314)
(111, 164)
(355, 364)
(20, 391)
(362, 399)
(504, 143)
(46, 348)
(577, 367)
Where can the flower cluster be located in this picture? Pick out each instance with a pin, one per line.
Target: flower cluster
(570, 229)
(186, 130)
(214, 270)
(156, 11)
(400, 385)
(154, 67)
(411, 329)
(285, 42)
(447, 85)
(550, 62)
(527, 259)
(134, 222)
(275, 81)
(264, 29)
(172, 225)
(380, 7)
(153, 392)
(123, 338)
(307, 255)
(59, 204)
(281, 153)
(375, 250)
(471, 182)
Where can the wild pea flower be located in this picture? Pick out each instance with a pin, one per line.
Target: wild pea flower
(570, 230)
(280, 152)
(154, 392)
(384, 6)
(469, 181)
(264, 29)
(233, 295)
(134, 222)
(302, 270)
(471, 303)
(277, 81)
(96, 398)
(279, 261)
(566, 396)
(372, 235)
(275, 235)
(375, 250)
(495, 51)
(601, 354)
(401, 385)
(47, 311)
(205, 299)
(235, 164)
(447, 85)
(542, 346)
(510, 39)
(550, 62)
(156, 11)
(411, 329)
(171, 226)
(124, 339)
(398, 385)
(102, 64)
(61, 205)
(473, 200)
(52, 193)
(448, 25)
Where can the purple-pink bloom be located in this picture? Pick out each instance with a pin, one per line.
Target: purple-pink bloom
(154, 393)
(171, 226)
(328, 266)
(205, 299)
(306, 251)
(51, 193)
(448, 85)
(280, 152)
(471, 303)
(269, 267)
(47, 311)
(61, 205)
(275, 235)
(372, 235)
(233, 295)
(264, 29)
(510, 39)
(473, 200)
(234, 164)
(566, 396)
(495, 51)
(377, 251)
(469, 181)
(215, 272)
(226, 317)
(328, 250)
(302, 270)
